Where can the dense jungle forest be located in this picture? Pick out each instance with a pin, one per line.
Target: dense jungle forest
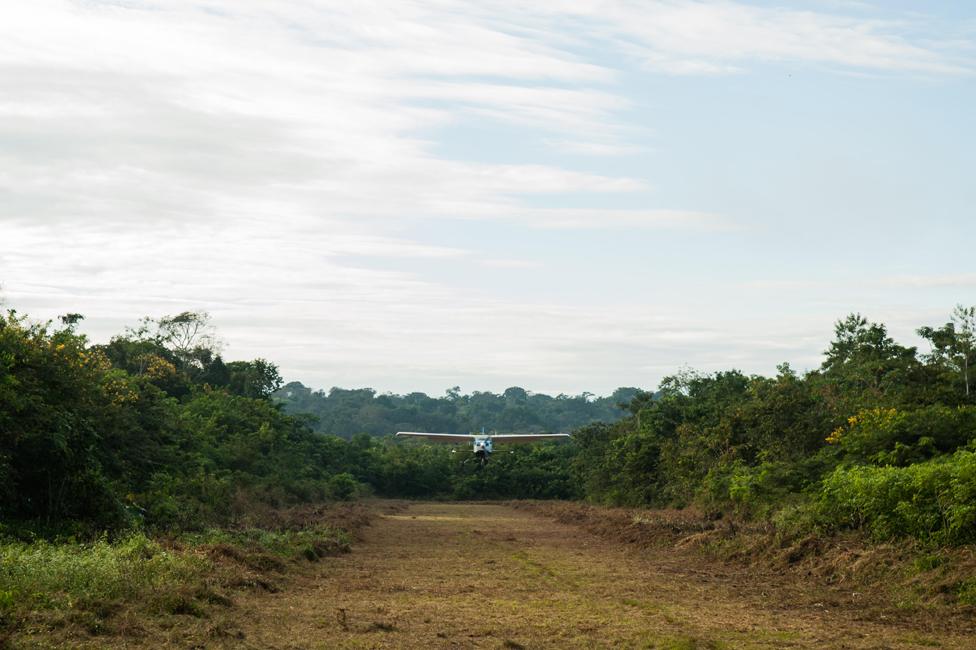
(154, 430)
(345, 412)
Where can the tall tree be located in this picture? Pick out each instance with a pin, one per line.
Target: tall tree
(863, 361)
(190, 335)
(954, 344)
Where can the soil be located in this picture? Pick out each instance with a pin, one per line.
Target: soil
(490, 575)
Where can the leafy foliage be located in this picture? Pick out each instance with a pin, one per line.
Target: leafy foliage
(931, 500)
(874, 439)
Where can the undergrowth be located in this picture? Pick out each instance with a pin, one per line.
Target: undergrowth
(43, 578)
(85, 586)
(308, 543)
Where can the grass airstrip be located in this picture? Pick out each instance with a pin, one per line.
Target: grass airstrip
(456, 575)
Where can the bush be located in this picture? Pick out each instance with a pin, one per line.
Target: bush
(344, 486)
(754, 490)
(935, 500)
(760, 490)
(897, 437)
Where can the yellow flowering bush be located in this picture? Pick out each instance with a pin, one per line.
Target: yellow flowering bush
(888, 436)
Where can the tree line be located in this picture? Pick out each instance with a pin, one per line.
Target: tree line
(345, 412)
(154, 429)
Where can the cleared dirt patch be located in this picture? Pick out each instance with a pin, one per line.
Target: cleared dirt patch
(436, 575)
(488, 575)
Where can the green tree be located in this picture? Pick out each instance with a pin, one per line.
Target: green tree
(258, 378)
(954, 344)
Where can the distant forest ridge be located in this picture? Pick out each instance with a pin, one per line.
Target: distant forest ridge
(346, 412)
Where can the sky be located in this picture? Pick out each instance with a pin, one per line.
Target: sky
(566, 197)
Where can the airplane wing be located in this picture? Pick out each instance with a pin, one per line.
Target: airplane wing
(515, 438)
(439, 437)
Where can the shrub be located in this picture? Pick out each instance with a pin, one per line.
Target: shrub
(897, 437)
(343, 487)
(935, 500)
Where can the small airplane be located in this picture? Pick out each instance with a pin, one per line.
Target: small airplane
(482, 442)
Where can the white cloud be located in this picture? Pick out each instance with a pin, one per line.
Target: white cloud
(693, 37)
(588, 218)
(511, 264)
(962, 280)
(251, 158)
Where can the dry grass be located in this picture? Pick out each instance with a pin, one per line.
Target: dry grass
(881, 581)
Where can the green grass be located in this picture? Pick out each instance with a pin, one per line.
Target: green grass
(309, 543)
(44, 574)
(88, 583)
(666, 612)
(967, 592)
(52, 584)
(928, 562)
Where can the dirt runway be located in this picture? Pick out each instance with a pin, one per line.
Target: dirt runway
(482, 575)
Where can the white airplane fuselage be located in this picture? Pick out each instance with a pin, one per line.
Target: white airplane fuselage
(482, 447)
